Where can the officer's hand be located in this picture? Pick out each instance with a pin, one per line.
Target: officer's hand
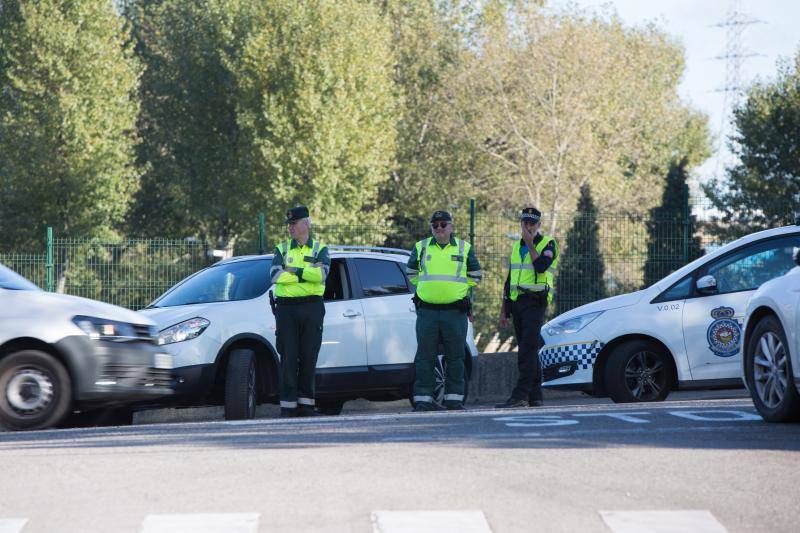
(503, 323)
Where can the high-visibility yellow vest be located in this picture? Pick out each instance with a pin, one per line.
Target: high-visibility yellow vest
(287, 285)
(523, 275)
(442, 275)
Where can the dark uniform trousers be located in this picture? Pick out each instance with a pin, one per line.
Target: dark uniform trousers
(528, 314)
(448, 328)
(299, 337)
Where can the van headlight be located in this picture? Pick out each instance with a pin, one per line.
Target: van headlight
(183, 331)
(571, 325)
(104, 329)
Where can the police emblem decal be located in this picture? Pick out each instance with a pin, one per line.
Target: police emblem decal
(724, 335)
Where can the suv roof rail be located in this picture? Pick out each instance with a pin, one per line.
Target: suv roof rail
(380, 249)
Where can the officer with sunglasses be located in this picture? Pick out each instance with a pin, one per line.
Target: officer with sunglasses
(443, 269)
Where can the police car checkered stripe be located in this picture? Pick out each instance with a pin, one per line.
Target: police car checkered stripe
(584, 353)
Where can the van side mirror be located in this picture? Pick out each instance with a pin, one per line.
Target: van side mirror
(707, 285)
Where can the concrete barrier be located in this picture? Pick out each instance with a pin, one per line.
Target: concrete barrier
(497, 376)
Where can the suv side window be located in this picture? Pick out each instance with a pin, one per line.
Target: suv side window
(747, 268)
(381, 277)
(337, 285)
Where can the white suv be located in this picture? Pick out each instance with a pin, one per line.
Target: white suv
(771, 363)
(218, 325)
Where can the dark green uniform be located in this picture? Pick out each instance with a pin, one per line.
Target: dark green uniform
(443, 275)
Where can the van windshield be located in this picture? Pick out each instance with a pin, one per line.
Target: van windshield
(13, 281)
(227, 282)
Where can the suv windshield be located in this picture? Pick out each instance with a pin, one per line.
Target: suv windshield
(227, 282)
(13, 281)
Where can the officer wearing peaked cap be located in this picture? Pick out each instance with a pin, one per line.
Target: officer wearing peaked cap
(299, 270)
(528, 290)
(443, 269)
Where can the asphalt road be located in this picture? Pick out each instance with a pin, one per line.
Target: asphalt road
(711, 465)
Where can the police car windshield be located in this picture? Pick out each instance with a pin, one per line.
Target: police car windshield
(227, 282)
(12, 281)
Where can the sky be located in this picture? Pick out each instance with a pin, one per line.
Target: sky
(692, 22)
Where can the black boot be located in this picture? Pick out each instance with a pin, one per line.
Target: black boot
(306, 411)
(512, 403)
(288, 412)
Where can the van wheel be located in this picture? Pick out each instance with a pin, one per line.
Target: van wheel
(240, 385)
(35, 390)
(638, 371)
(768, 371)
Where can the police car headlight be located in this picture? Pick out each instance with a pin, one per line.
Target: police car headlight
(571, 325)
(184, 331)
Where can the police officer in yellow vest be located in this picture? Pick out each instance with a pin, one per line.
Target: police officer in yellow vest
(443, 269)
(528, 290)
(299, 270)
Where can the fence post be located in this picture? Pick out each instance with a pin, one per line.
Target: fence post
(261, 234)
(472, 234)
(472, 221)
(49, 264)
(686, 228)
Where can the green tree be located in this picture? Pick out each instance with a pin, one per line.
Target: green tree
(316, 108)
(763, 189)
(581, 269)
(671, 242)
(257, 106)
(68, 107)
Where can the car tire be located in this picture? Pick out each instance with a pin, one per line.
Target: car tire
(36, 391)
(241, 392)
(330, 407)
(439, 373)
(638, 371)
(768, 371)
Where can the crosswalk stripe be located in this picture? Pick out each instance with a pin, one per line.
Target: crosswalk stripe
(12, 525)
(662, 522)
(201, 523)
(429, 522)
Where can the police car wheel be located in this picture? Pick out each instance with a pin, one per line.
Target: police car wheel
(35, 391)
(768, 371)
(240, 385)
(638, 371)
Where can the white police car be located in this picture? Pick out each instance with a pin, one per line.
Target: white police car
(771, 362)
(685, 331)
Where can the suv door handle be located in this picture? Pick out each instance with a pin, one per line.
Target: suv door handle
(350, 313)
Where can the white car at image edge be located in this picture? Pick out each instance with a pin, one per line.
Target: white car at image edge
(684, 331)
(771, 363)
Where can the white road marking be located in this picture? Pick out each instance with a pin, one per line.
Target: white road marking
(533, 421)
(662, 522)
(12, 525)
(201, 523)
(713, 415)
(625, 417)
(429, 522)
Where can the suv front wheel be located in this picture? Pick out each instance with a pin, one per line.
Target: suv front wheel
(240, 385)
(768, 371)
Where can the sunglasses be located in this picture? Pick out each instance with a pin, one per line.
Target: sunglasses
(440, 225)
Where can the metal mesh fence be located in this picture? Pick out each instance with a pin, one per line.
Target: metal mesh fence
(601, 254)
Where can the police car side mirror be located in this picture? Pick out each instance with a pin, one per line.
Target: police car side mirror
(707, 285)
(797, 256)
